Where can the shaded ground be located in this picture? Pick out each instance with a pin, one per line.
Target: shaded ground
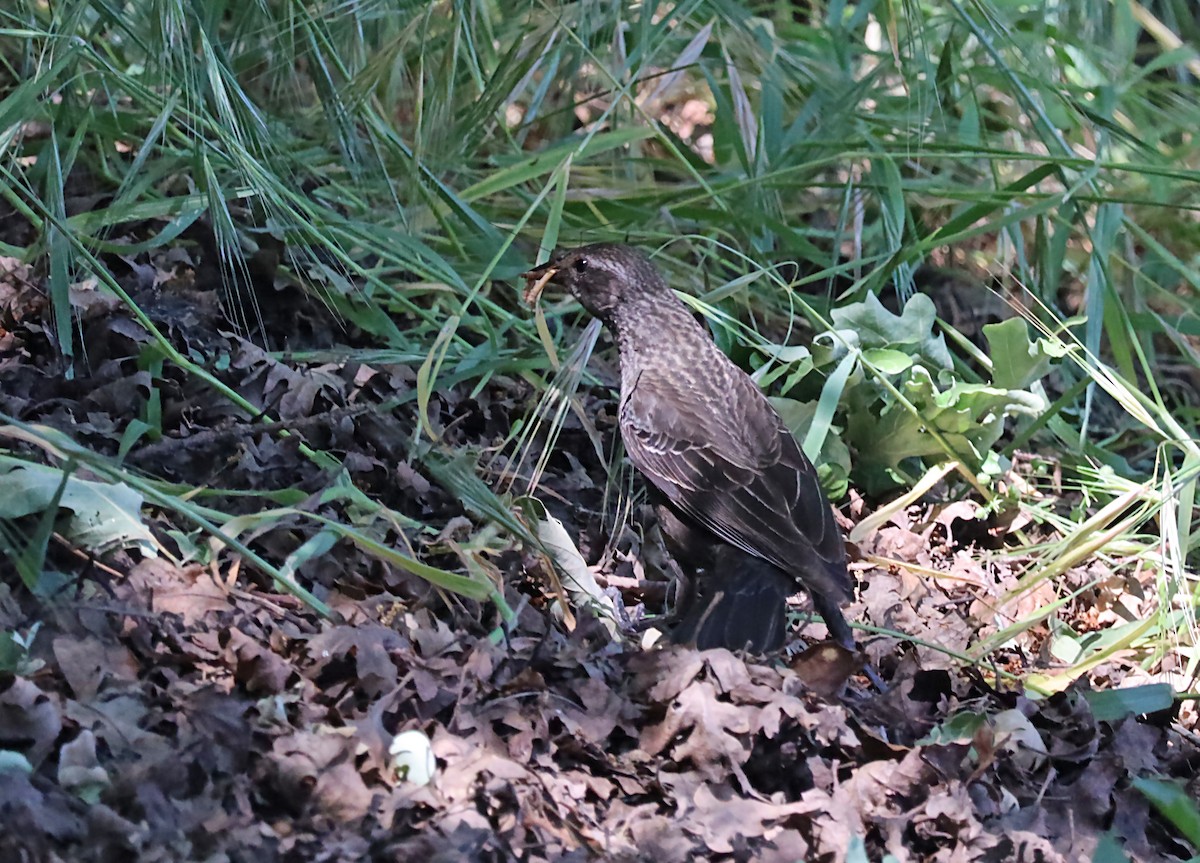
(189, 711)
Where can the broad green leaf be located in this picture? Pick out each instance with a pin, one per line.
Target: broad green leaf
(876, 327)
(1174, 803)
(104, 516)
(959, 728)
(887, 360)
(1109, 705)
(1109, 850)
(1016, 361)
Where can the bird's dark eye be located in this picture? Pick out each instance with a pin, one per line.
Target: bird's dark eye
(580, 265)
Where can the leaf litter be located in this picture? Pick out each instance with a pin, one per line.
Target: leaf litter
(180, 707)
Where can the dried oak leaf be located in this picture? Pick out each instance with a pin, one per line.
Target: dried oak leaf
(701, 728)
(655, 836)
(79, 770)
(30, 818)
(189, 591)
(663, 674)
(318, 768)
(88, 664)
(260, 670)
(726, 819)
(369, 645)
(29, 719)
(825, 667)
(603, 710)
(468, 762)
(118, 722)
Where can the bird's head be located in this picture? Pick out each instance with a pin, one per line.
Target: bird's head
(603, 277)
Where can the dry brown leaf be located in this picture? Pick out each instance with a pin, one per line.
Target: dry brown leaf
(825, 667)
(29, 719)
(255, 666)
(189, 592)
(88, 664)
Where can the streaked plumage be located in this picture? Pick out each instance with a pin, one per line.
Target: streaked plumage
(704, 435)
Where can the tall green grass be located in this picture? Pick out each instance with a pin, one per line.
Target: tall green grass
(413, 158)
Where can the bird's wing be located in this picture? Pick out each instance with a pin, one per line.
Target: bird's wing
(734, 467)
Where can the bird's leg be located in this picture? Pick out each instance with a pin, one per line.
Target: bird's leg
(670, 553)
(873, 676)
(624, 621)
(685, 595)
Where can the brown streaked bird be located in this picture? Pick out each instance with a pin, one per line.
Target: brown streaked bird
(706, 438)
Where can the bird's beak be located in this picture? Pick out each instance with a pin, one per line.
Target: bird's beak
(536, 281)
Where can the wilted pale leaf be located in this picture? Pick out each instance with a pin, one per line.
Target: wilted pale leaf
(580, 582)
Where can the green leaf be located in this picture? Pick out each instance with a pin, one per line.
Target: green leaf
(795, 361)
(876, 327)
(14, 762)
(959, 728)
(550, 159)
(1016, 361)
(472, 588)
(888, 361)
(104, 516)
(1173, 803)
(457, 474)
(62, 264)
(856, 852)
(890, 189)
(1109, 705)
(1108, 850)
(830, 396)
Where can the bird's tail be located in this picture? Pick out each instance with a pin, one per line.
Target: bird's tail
(739, 604)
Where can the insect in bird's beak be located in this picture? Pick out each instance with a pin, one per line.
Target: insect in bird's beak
(536, 281)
